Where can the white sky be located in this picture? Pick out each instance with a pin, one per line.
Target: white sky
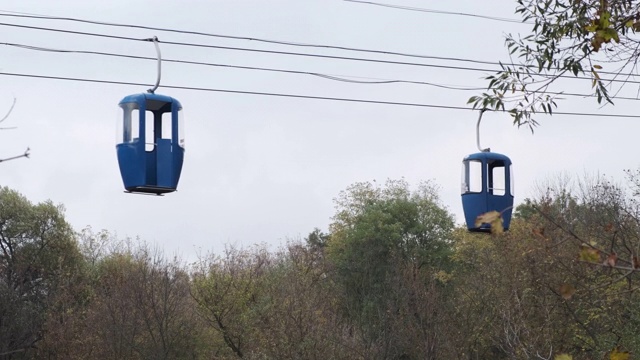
(264, 169)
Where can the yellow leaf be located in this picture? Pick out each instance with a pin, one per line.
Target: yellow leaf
(563, 357)
(629, 23)
(589, 254)
(597, 67)
(619, 355)
(497, 227)
(487, 218)
(492, 218)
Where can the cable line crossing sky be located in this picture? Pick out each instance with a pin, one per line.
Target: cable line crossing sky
(330, 93)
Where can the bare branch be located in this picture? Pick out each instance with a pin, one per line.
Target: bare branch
(9, 111)
(25, 155)
(12, 352)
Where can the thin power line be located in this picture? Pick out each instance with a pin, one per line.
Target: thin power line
(298, 96)
(250, 50)
(247, 38)
(442, 12)
(247, 49)
(290, 43)
(298, 54)
(343, 78)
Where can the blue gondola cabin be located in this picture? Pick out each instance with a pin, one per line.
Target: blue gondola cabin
(150, 144)
(487, 185)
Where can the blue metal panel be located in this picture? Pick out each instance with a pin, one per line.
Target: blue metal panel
(144, 97)
(151, 169)
(132, 166)
(473, 204)
(165, 170)
(177, 151)
(477, 203)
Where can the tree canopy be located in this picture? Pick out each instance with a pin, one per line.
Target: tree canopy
(381, 237)
(393, 278)
(39, 262)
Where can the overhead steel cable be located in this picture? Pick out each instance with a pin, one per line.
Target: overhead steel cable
(442, 12)
(302, 54)
(290, 43)
(342, 78)
(247, 38)
(117, 37)
(300, 96)
(247, 49)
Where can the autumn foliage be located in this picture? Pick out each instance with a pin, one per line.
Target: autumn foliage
(393, 278)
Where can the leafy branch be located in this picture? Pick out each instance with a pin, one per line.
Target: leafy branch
(568, 39)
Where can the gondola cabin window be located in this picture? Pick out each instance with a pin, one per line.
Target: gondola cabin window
(497, 178)
(128, 128)
(472, 176)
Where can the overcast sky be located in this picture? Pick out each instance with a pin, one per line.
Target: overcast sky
(264, 169)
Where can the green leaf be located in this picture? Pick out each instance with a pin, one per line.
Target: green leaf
(615, 36)
(591, 28)
(575, 69)
(608, 34)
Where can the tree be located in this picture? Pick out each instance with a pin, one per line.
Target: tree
(380, 235)
(317, 240)
(141, 308)
(568, 39)
(296, 316)
(227, 290)
(39, 259)
(561, 281)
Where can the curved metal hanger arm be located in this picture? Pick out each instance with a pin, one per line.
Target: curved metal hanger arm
(155, 42)
(478, 133)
